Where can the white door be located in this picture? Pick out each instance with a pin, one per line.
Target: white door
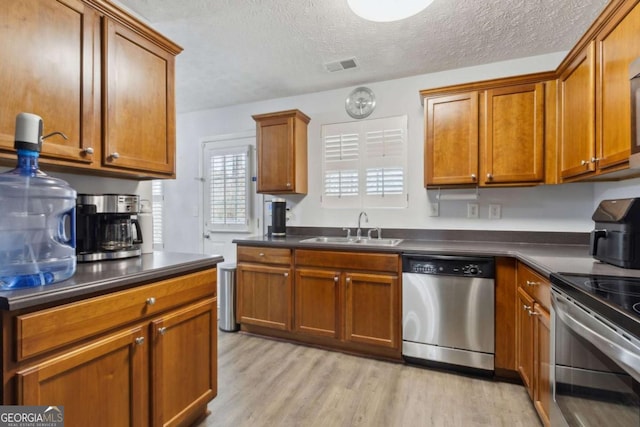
(225, 180)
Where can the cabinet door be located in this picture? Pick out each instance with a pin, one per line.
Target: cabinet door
(577, 115)
(264, 295)
(317, 302)
(104, 383)
(451, 140)
(617, 47)
(372, 309)
(275, 155)
(525, 339)
(542, 393)
(138, 104)
(50, 52)
(180, 391)
(513, 138)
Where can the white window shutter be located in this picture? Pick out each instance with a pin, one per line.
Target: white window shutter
(364, 163)
(228, 189)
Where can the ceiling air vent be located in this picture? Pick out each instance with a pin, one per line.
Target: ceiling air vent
(345, 64)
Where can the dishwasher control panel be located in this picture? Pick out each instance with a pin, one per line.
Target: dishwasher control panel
(448, 265)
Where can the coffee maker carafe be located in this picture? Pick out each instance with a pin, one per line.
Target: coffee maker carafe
(107, 227)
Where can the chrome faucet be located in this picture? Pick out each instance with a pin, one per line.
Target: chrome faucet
(366, 219)
(371, 230)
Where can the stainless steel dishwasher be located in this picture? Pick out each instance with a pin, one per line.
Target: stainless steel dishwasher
(448, 310)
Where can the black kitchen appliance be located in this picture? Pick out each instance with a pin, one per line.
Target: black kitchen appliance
(107, 227)
(616, 236)
(278, 217)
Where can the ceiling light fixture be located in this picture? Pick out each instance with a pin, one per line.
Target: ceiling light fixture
(389, 10)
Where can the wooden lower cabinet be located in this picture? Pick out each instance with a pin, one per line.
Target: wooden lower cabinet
(350, 299)
(158, 368)
(525, 339)
(180, 390)
(100, 384)
(317, 302)
(542, 363)
(264, 295)
(371, 310)
(533, 338)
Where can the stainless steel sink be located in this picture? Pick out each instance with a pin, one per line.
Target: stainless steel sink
(352, 241)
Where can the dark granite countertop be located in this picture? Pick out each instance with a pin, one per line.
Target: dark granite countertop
(96, 277)
(546, 258)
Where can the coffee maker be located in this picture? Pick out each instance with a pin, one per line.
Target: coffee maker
(107, 227)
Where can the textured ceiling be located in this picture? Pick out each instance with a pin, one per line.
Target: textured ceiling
(238, 51)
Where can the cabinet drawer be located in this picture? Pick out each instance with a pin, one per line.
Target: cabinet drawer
(348, 260)
(535, 285)
(56, 327)
(264, 255)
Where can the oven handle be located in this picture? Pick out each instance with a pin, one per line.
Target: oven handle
(619, 349)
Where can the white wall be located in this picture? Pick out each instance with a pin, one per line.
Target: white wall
(546, 208)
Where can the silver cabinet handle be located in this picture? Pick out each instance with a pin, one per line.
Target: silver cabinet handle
(526, 307)
(335, 279)
(115, 155)
(530, 283)
(286, 274)
(140, 340)
(489, 176)
(348, 279)
(288, 184)
(584, 162)
(473, 176)
(88, 150)
(261, 254)
(162, 330)
(533, 313)
(151, 301)
(594, 159)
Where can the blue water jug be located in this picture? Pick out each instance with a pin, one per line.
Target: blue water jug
(37, 217)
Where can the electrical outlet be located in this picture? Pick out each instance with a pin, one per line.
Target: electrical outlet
(495, 211)
(472, 210)
(434, 209)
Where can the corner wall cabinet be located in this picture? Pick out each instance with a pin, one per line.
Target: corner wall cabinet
(61, 59)
(282, 152)
(486, 134)
(148, 354)
(595, 98)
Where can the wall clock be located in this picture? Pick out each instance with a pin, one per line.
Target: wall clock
(360, 103)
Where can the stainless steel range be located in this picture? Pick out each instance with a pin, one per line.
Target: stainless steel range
(448, 310)
(595, 350)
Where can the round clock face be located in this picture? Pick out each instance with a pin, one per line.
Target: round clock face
(360, 102)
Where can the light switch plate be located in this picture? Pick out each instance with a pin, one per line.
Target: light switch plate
(472, 210)
(495, 211)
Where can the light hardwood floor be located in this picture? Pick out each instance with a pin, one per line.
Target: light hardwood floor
(262, 382)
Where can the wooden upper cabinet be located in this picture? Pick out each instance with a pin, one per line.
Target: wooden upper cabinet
(577, 115)
(451, 139)
(282, 152)
(512, 136)
(50, 53)
(616, 47)
(491, 136)
(138, 103)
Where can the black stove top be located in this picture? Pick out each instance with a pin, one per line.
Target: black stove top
(614, 297)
